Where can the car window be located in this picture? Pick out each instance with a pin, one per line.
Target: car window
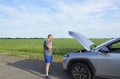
(115, 47)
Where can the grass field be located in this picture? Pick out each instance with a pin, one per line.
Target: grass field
(33, 48)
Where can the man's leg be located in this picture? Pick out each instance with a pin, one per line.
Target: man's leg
(47, 68)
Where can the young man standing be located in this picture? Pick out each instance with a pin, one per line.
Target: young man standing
(48, 54)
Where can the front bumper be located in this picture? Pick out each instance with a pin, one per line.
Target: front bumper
(65, 61)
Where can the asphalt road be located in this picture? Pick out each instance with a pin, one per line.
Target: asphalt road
(22, 68)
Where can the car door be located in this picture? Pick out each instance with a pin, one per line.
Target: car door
(108, 63)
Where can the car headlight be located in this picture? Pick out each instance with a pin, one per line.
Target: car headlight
(66, 55)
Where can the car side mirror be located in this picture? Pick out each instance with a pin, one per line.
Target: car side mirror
(104, 50)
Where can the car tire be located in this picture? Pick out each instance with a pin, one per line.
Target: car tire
(80, 71)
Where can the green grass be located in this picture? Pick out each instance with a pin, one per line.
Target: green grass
(33, 48)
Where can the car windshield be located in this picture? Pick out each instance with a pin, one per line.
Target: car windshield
(104, 43)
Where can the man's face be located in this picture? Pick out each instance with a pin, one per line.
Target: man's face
(50, 38)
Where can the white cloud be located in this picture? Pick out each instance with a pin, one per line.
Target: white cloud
(63, 16)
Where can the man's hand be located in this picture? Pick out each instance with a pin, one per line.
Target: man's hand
(49, 45)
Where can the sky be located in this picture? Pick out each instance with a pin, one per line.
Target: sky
(38, 18)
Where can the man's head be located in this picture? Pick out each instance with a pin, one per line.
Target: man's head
(50, 37)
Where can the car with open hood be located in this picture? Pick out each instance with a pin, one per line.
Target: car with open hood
(100, 61)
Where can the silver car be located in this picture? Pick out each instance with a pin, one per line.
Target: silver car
(101, 61)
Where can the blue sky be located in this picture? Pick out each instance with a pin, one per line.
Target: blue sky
(38, 18)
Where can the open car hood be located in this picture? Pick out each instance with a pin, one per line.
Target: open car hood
(85, 42)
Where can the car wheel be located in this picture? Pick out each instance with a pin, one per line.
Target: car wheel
(80, 71)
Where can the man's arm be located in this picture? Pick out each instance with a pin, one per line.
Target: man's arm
(49, 46)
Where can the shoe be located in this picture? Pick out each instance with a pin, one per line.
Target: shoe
(49, 73)
(47, 77)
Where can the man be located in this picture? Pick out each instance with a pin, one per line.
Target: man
(48, 53)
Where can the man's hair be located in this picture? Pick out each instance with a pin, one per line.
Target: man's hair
(49, 35)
